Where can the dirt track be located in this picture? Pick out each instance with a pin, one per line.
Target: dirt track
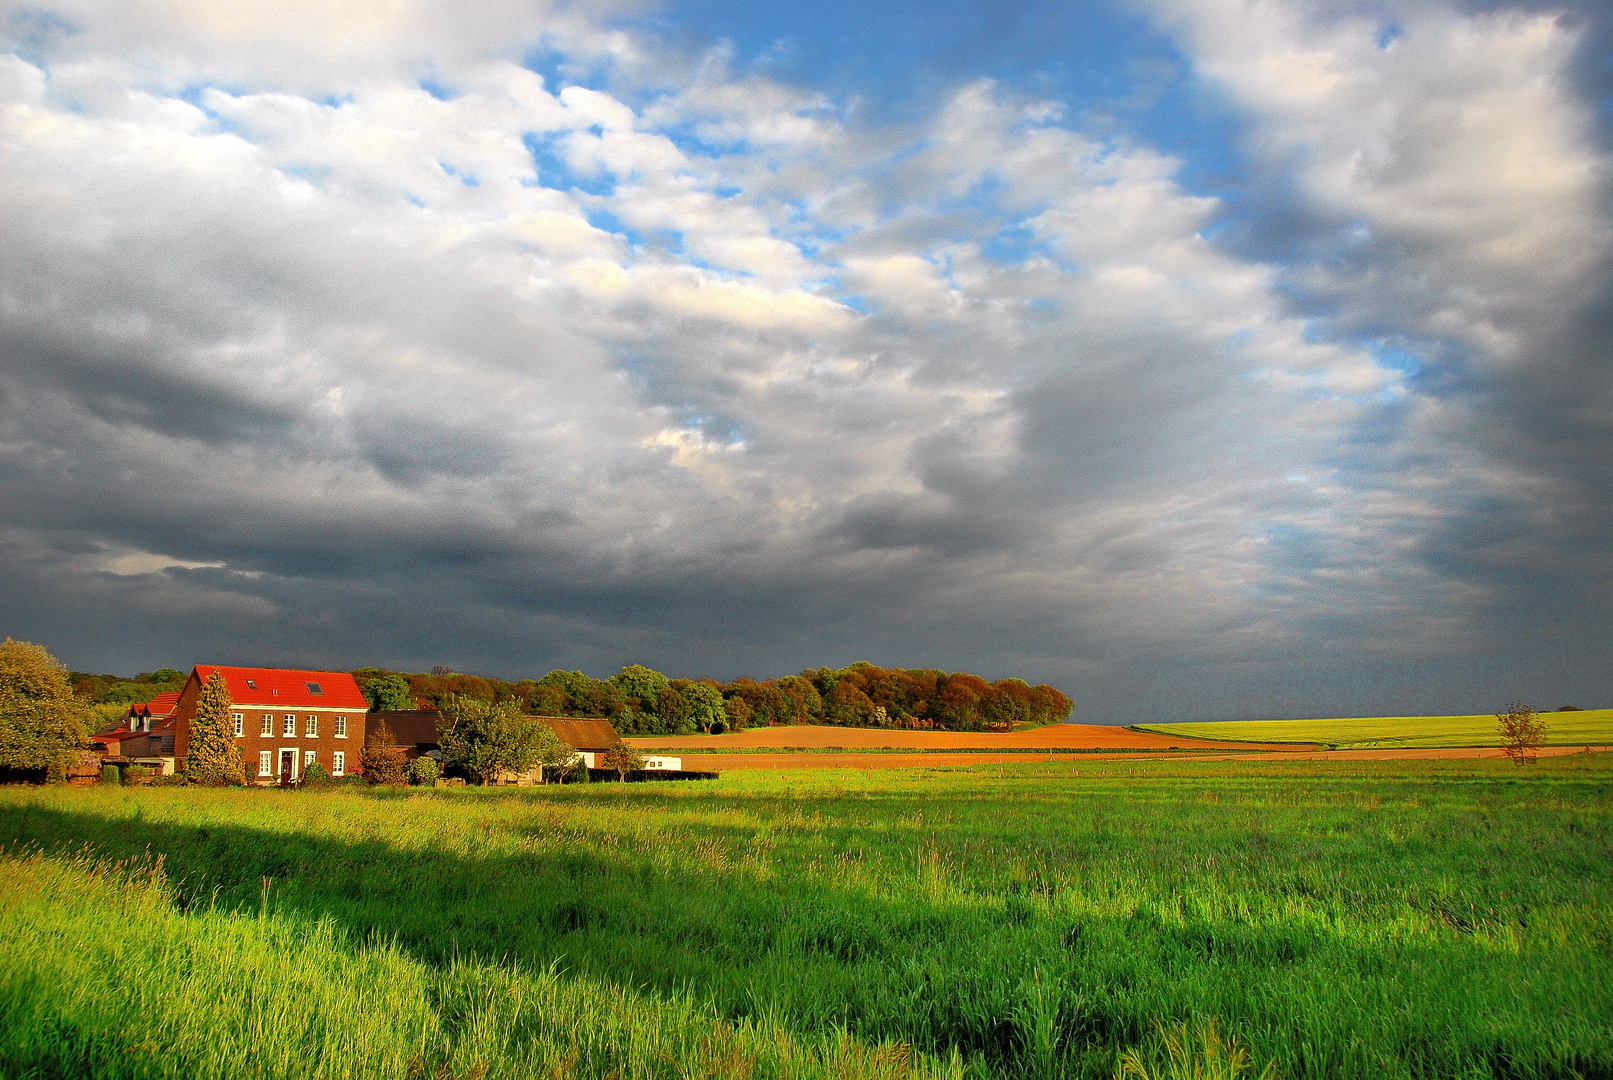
(1054, 736)
(726, 762)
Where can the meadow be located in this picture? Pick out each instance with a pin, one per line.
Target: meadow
(1588, 727)
(1349, 919)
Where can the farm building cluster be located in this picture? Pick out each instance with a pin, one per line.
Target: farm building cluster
(286, 721)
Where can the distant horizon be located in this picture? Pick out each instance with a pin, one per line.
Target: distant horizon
(1073, 720)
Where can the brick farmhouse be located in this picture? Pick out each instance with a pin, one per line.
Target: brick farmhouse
(284, 720)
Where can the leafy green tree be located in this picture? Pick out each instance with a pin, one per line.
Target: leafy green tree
(623, 758)
(849, 706)
(574, 684)
(805, 704)
(546, 700)
(705, 704)
(388, 693)
(41, 724)
(553, 752)
(485, 739)
(213, 758)
(673, 713)
(638, 681)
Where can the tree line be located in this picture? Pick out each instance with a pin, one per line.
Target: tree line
(641, 701)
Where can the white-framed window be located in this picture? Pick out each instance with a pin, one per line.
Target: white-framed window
(268, 724)
(290, 730)
(338, 763)
(265, 762)
(341, 727)
(310, 727)
(240, 724)
(307, 759)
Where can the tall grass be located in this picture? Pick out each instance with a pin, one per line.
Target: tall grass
(1401, 919)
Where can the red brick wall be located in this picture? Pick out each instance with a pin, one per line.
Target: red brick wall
(324, 745)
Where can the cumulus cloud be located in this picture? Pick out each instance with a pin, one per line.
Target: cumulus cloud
(348, 338)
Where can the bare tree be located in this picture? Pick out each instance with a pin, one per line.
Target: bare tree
(1521, 730)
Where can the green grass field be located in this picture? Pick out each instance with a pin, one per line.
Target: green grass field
(1590, 727)
(1352, 919)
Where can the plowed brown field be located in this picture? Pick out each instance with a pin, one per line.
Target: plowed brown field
(1054, 736)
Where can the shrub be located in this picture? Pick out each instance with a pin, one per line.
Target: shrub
(314, 775)
(718, 727)
(177, 779)
(383, 761)
(423, 771)
(109, 775)
(1521, 730)
(137, 774)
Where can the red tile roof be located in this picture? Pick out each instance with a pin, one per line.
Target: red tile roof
(158, 708)
(163, 704)
(285, 687)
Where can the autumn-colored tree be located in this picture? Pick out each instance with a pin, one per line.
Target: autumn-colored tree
(1521, 731)
(383, 761)
(738, 713)
(42, 725)
(804, 705)
(213, 758)
(623, 758)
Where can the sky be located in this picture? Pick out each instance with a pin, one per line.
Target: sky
(1206, 359)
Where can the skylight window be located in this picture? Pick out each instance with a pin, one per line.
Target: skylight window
(251, 685)
(313, 688)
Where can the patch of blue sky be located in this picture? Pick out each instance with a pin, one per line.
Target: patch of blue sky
(856, 302)
(560, 70)
(1110, 69)
(687, 138)
(1017, 245)
(468, 179)
(32, 33)
(554, 171)
(639, 240)
(312, 174)
(442, 92)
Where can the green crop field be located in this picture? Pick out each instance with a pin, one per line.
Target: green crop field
(1339, 919)
(1589, 727)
